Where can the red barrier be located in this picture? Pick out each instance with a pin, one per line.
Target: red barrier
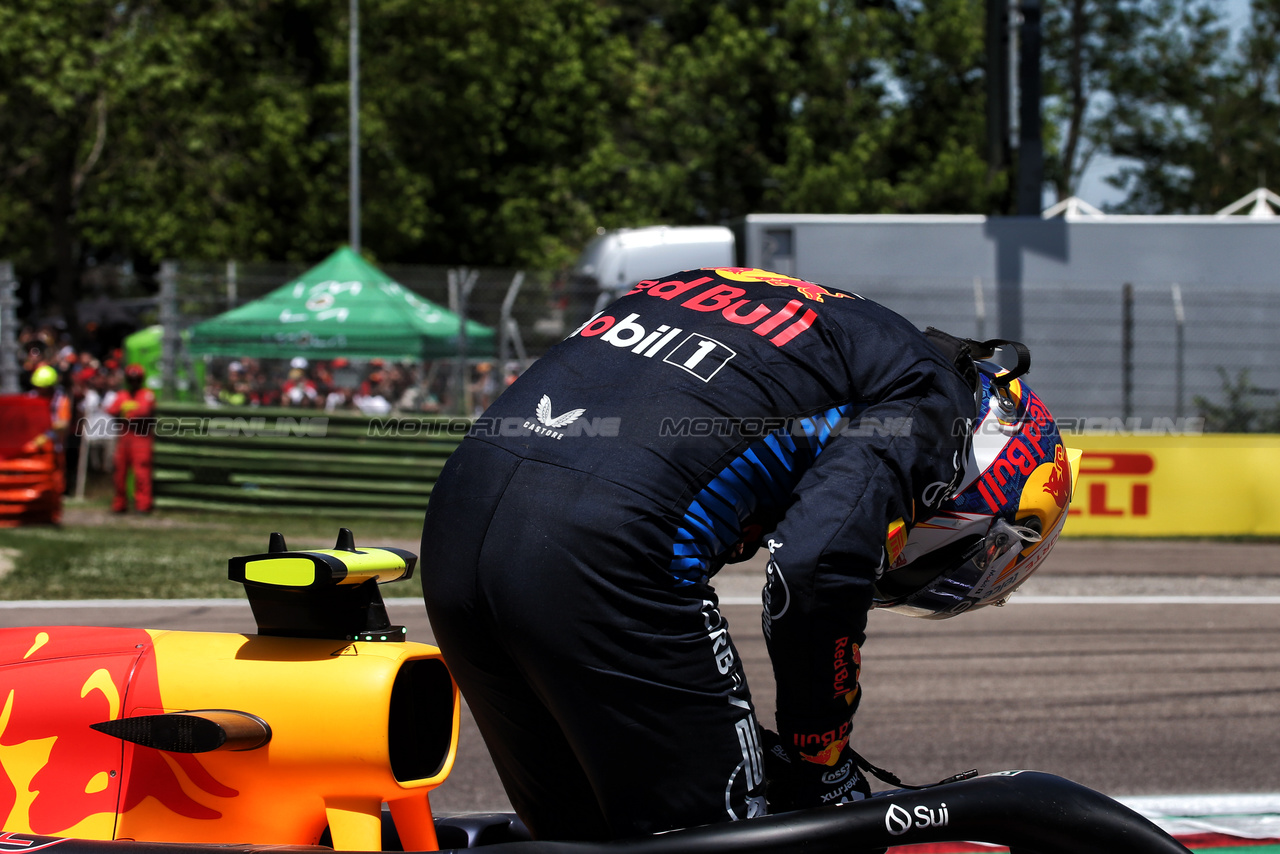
(31, 482)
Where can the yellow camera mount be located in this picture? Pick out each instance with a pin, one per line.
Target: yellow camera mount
(327, 593)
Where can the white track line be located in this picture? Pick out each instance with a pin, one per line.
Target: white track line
(1093, 600)
(1032, 599)
(1248, 816)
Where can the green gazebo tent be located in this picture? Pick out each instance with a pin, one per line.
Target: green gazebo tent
(343, 306)
(146, 347)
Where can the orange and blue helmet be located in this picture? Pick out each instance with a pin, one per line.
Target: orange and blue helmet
(1001, 521)
(45, 376)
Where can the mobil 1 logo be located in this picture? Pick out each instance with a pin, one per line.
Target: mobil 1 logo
(699, 355)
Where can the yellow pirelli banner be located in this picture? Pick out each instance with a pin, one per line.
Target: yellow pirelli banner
(1215, 484)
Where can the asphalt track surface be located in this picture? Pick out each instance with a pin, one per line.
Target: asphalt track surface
(1135, 668)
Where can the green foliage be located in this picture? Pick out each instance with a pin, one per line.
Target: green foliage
(506, 132)
(234, 145)
(69, 67)
(487, 126)
(1240, 412)
(815, 106)
(1160, 83)
(1087, 47)
(1167, 119)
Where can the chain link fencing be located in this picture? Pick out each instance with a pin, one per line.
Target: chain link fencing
(524, 309)
(1116, 357)
(1146, 355)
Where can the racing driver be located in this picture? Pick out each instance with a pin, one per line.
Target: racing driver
(571, 542)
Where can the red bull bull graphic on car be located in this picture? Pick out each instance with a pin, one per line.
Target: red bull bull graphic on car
(312, 724)
(65, 772)
(58, 776)
(327, 704)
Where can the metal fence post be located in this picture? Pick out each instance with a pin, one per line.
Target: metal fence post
(8, 329)
(1030, 189)
(508, 331)
(169, 326)
(461, 281)
(1180, 344)
(979, 308)
(233, 297)
(1126, 351)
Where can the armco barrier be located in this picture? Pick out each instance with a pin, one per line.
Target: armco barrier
(31, 481)
(1210, 485)
(298, 460)
(303, 460)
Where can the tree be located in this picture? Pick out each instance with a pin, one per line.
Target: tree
(1179, 112)
(936, 134)
(1085, 68)
(1159, 83)
(807, 105)
(151, 129)
(236, 148)
(67, 68)
(488, 128)
(500, 133)
(713, 87)
(1240, 411)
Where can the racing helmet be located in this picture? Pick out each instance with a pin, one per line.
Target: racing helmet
(978, 546)
(44, 376)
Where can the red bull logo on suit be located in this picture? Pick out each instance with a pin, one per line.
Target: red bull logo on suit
(809, 290)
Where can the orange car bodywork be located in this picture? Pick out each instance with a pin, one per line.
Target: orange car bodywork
(343, 715)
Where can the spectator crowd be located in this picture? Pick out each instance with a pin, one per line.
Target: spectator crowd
(87, 380)
(371, 387)
(92, 375)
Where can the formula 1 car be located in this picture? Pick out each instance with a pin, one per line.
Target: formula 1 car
(328, 728)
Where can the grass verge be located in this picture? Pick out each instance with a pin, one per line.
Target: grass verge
(169, 554)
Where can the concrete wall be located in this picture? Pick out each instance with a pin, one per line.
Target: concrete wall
(1229, 252)
(1057, 285)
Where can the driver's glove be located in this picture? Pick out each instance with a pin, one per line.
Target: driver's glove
(799, 780)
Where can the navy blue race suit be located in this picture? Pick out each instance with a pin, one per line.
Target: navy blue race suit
(571, 542)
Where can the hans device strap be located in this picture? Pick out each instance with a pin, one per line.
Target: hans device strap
(964, 352)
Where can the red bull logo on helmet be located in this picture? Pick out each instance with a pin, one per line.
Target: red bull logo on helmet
(808, 290)
(1048, 491)
(1058, 484)
(1020, 449)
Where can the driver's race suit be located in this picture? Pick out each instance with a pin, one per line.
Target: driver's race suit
(571, 542)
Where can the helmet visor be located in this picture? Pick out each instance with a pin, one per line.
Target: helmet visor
(964, 574)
